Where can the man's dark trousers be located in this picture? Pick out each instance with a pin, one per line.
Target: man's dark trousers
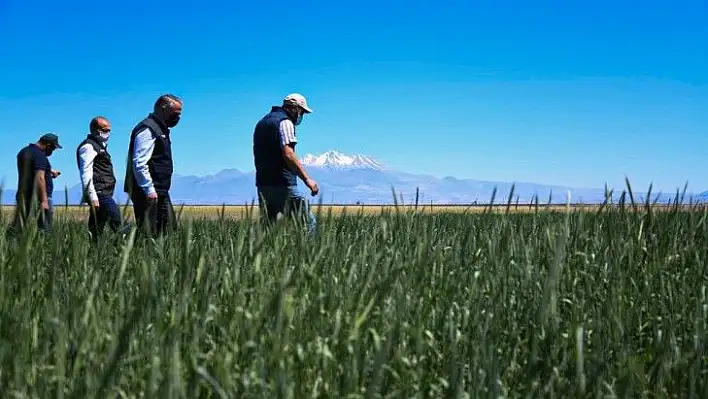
(107, 212)
(288, 201)
(154, 217)
(23, 214)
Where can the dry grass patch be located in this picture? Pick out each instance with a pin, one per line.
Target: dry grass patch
(74, 212)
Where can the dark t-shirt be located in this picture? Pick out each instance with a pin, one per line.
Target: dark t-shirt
(29, 160)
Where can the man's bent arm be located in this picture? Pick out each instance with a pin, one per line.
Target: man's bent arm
(86, 156)
(142, 151)
(294, 163)
(287, 142)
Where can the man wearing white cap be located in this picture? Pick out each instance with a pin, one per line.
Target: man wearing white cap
(277, 165)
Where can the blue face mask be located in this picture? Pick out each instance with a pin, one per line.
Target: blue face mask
(299, 119)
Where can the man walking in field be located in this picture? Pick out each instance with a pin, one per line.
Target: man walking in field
(277, 165)
(35, 184)
(97, 178)
(149, 171)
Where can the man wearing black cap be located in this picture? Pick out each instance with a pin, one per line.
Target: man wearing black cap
(35, 182)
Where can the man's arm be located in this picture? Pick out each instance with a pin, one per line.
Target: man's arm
(40, 185)
(142, 151)
(287, 142)
(40, 164)
(86, 156)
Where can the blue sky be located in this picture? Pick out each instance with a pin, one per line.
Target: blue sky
(547, 91)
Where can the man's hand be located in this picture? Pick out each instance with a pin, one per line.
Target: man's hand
(152, 197)
(45, 205)
(95, 203)
(312, 185)
(55, 173)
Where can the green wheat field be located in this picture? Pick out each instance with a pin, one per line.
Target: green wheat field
(602, 303)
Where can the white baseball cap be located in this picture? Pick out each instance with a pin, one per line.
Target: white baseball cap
(297, 99)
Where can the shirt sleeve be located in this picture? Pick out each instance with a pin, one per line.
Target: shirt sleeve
(287, 133)
(86, 157)
(142, 151)
(40, 162)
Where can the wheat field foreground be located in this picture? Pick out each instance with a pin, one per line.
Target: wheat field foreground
(609, 303)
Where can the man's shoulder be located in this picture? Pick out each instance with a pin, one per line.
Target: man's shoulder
(87, 146)
(141, 128)
(274, 116)
(84, 144)
(25, 157)
(145, 124)
(267, 124)
(144, 134)
(39, 157)
(24, 151)
(36, 151)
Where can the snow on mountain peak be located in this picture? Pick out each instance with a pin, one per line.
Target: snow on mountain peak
(336, 160)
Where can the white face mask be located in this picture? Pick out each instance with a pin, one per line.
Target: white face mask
(104, 136)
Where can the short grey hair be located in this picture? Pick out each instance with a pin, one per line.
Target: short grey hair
(166, 101)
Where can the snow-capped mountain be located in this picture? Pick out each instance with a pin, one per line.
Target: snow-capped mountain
(337, 160)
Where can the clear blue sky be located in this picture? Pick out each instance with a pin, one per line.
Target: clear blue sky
(574, 93)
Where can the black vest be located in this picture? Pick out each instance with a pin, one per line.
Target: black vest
(271, 169)
(159, 164)
(104, 179)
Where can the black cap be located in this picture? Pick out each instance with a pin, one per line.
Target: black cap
(51, 138)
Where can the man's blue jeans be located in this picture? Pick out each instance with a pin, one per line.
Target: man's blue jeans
(107, 213)
(288, 201)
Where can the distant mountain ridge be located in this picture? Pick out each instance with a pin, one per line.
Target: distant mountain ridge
(360, 179)
(702, 197)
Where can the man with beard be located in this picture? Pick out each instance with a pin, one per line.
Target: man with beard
(97, 178)
(149, 170)
(35, 183)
